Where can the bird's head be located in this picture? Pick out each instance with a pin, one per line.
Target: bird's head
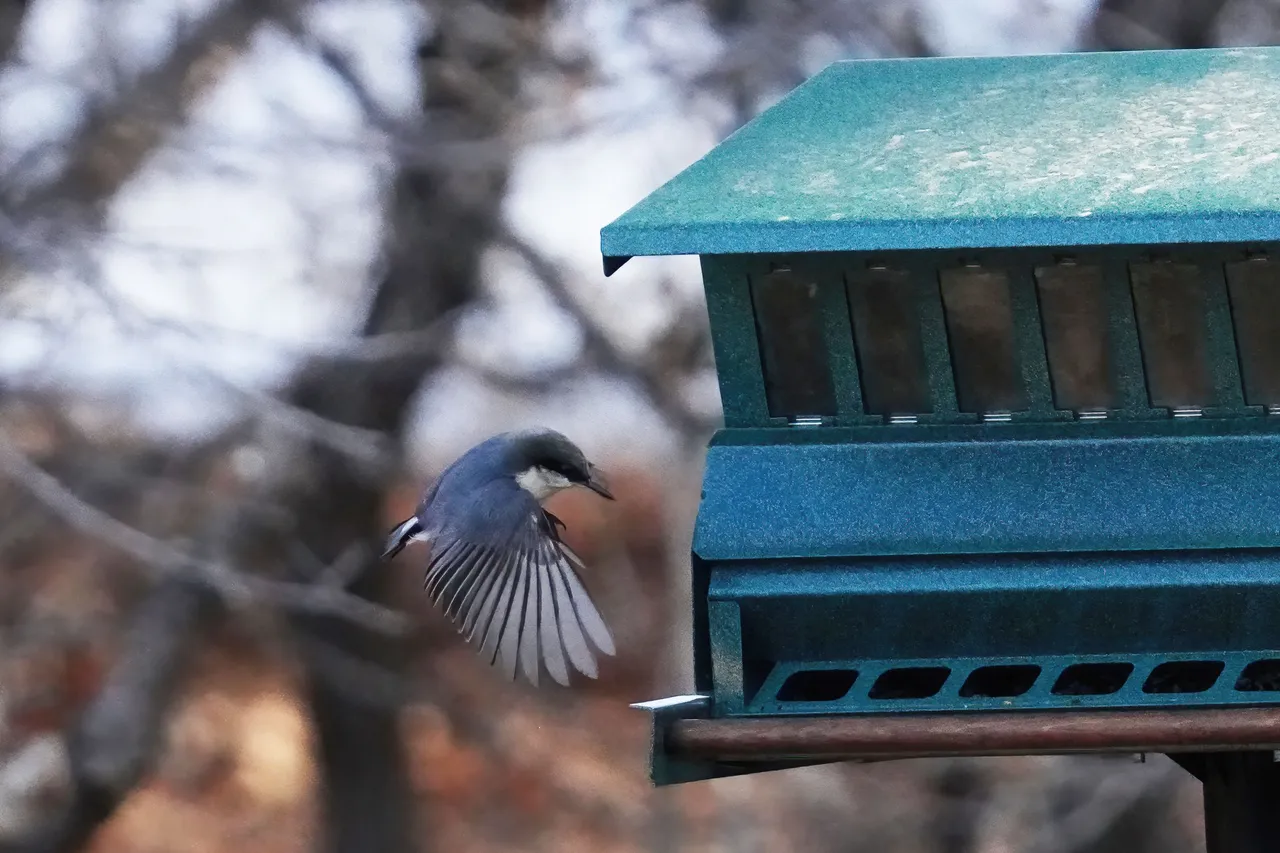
(544, 462)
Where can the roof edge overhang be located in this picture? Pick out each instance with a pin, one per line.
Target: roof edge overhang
(619, 242)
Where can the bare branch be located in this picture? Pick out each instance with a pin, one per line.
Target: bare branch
(12, 15)
(523, 383)
(439, 222)
(341, 67)
(164, 560)
(116, 137)
(600, 347)
(1156, 24)
(115, 742)
(365, 446)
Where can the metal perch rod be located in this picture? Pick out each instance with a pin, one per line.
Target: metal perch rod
(878, 737)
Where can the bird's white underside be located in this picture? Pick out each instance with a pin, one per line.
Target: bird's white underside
(541, 482)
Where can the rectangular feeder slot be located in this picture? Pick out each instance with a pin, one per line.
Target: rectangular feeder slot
(886, 332)
(817, 685)
(1184, 676)
(983, 346)
(1169, 303)
(797, 373)
(1092, 679)
(1073, 312)
(1261, 675)
(916, 682)
(1254, 287)
(1000, 681)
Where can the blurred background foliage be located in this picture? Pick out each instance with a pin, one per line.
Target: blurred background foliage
(265, 268)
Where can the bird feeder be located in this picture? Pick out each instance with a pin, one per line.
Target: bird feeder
(998, 346)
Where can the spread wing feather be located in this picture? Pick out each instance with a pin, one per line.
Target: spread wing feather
(548, 624)
(513, 590)
(586, 611)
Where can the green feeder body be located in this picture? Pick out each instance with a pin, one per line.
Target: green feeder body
(998, 345)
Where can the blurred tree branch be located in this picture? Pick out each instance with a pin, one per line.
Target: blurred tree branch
(163, 559)
(1156, 24)
(601, 349)
(119, 133)
(115, 741)
(12, 14)
(439, 222)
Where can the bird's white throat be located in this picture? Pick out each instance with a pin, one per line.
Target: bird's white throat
(541, 482)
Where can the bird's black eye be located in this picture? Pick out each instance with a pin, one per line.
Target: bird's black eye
(566, 470)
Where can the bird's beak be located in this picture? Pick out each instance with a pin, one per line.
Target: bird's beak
(595, 482)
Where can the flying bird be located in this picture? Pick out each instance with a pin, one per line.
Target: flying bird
(497, 565)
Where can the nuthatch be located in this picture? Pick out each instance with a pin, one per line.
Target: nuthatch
(497, 564)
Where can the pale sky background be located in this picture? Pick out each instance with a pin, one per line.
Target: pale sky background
(271, 196)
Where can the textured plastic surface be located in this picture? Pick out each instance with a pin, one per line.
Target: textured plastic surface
(850, 542)
(973, 546)
(1041, 540)
(992, 489)
(729, 280)
(960, 614)
(1227, 686)
(1118, 148)
(1005, 606)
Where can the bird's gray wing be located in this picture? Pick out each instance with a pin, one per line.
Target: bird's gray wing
(512, 588)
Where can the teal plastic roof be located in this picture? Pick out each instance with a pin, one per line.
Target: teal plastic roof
(945, 153)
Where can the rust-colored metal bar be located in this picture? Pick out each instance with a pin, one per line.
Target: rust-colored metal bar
(878, 737)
